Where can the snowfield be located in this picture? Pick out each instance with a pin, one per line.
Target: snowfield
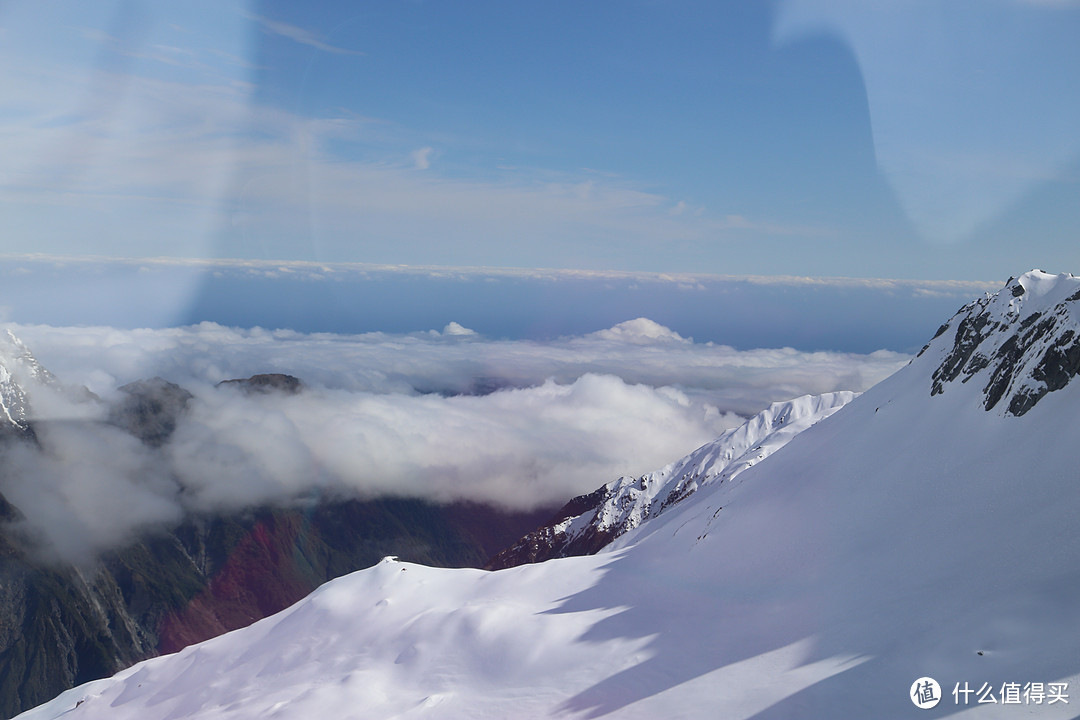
(906, 535)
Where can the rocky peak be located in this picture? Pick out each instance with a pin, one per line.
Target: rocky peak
(150, 409)
(1019, 343)
(18, 368)
(267, 382)
(28, 365)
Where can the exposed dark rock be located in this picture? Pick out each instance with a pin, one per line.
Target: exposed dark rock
(1055, 369)
(546, 542)
(8, 512)
(150, 409)
(1027, 355)
(970, 332)
(266, 383)
(1007, 356)
(940, 331)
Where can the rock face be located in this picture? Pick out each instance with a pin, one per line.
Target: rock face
(1020, 343)
(589, 522)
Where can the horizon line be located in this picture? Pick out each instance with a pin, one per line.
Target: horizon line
(315, 267)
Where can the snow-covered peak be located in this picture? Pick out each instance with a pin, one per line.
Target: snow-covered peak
(14, 409)
(23, 379)
(14, 352)
(1042, 288)
(456, 329)
(17, 367)
(640, 331)
(591, 522)
(1017, 345)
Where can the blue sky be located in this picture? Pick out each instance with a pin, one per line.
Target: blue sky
(903, 138)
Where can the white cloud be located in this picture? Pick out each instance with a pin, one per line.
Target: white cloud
(300, 35)
(638, 351)
(422, 157)
(382, 414)
(455, 328)
(90, 488)
(517, 447)
(353, 270)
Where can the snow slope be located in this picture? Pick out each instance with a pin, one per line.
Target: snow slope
(910, 534)
(589, 522)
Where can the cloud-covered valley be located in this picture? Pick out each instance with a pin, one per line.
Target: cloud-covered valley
(445, 415)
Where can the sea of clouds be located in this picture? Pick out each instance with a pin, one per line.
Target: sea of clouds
(445, 415)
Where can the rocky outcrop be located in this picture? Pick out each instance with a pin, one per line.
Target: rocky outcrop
(266, 383)
(150, 409)
(552, 539)
(1021, 343)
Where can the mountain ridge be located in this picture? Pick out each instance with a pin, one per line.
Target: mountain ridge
(590, 522)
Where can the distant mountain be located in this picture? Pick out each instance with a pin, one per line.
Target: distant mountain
(922, 530)
(150, 409)
(62, 625)
(266, 383)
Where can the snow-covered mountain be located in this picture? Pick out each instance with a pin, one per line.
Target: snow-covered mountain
(17, 366)
(25, 382)
(919, 531)
(589, 522)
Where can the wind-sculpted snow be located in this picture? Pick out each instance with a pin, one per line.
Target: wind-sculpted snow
(590, 522)
(1020, 343)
